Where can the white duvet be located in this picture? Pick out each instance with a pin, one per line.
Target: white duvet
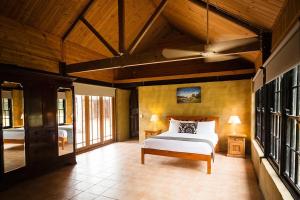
(183, 146)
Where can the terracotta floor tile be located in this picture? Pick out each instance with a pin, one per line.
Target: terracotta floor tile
(114, 172)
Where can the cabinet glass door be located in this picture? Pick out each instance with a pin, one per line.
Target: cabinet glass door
(12, 104)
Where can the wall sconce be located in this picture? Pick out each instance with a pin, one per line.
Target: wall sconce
(234, 119)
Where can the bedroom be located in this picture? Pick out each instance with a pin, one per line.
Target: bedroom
(130, 99)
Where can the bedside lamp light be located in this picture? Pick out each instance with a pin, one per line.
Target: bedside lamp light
(154, 119)
(234, 119)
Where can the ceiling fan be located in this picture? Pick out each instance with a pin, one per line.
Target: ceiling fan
(215, 52)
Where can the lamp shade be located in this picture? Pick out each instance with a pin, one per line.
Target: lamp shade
(154, 118)
(234, 119)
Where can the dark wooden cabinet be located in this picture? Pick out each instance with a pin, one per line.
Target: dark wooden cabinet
(40, 123)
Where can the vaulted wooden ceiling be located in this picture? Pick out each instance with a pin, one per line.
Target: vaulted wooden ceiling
(45, 23)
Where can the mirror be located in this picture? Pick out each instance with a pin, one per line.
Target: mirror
(65, 121)
(12, 102)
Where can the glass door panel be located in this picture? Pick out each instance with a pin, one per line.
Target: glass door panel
(80, 121)
(95, 119)
(13, 125)
(107, 117)
(65, 121)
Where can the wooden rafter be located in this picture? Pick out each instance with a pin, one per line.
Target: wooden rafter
(154, 57)
(121, 21)
(97, 34)
(225, 14)
(185, 76)
(147, 26)
(82, 13)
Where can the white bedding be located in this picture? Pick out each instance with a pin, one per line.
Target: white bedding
(183, 146)
(13, 134)
(18, 133)
(62, 133)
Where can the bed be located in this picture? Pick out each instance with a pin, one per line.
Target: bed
(184, 145)
(17, 135)
(13, 136)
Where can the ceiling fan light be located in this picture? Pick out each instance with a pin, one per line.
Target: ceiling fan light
(208, 54)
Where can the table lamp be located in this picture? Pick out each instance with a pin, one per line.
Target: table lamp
(154, 119)
(234, 119)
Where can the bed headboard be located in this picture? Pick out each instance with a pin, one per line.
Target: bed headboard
(198, 119)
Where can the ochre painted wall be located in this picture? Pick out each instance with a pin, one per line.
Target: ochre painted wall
(217, 99)
(122, 112)
(69, 107)
(17, 107)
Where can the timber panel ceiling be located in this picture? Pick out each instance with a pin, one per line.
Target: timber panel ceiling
(52, 16)
(259, 12)
(136, 15)
(103, 75)
(182, 21)
(191, 19)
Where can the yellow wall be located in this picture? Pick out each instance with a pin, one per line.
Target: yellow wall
(69, 107)
(17, 107)
(122, 112)
(217, 99)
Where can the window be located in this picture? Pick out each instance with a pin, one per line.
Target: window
(278, 126)
(61, 111)
(275, 120)
(80, 121)
(6, 113)
(292, 123)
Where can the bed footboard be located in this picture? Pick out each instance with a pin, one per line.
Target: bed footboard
(189, 156)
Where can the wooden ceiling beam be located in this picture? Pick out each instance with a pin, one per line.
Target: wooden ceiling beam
(97, 34)
(180, 68)
(121, 21)
(147, 26)
(82, 13)
(186, 76)
(154, 57)
(225, 14)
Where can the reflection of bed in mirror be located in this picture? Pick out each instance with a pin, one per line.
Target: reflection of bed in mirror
(14, 135)
(65, 134)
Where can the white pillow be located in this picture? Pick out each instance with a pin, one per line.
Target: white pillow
(207, 127)
(174, 125)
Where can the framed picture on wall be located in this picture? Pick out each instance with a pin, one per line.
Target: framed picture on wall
(189, 95)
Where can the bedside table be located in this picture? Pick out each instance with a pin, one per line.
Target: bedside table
(236, 146)
(151, 133)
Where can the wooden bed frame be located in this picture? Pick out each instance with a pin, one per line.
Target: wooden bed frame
(189, 156)
(13, 141)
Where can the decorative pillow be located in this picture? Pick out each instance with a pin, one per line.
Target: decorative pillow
(185, 127)
(174, 125)
(206, 127)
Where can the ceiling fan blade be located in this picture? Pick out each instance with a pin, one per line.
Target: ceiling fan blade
(220, 58)
(231, 44)
(180, 53)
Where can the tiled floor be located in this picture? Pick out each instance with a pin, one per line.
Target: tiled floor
(14, 156)
(115, 172)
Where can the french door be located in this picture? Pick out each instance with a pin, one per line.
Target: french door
(94, 121)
